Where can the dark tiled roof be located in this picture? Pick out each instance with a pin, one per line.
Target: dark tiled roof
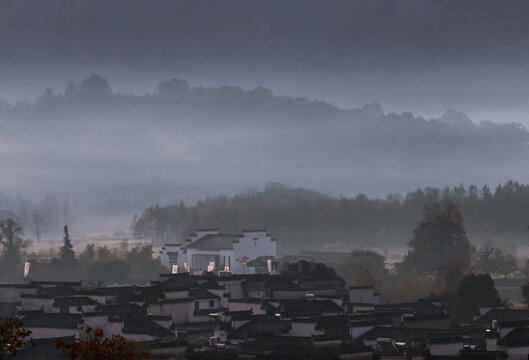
(33, 296)
(213, 242)
(124, 311)
(256, 328)
(175, 301)
(517, 337)
(199, 294)
(18, 286)
(421, 308)
(56, 291)
(94, 314)
(399, 333)
(306, 307)
(159, 317)
(144, 326)
(74, 301)
(52, 320)
(502, 315)
(56, 283)
(165, 344)
(7, 310)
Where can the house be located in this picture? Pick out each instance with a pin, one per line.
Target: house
(211, 250)
(52, 325)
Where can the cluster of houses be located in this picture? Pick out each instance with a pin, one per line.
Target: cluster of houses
(225, 314)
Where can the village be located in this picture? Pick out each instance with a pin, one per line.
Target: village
(227, 296)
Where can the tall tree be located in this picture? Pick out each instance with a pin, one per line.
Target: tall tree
(439, 239)
(362, 262)
(492, 260)
(11, 240)
(477, 290)
(13, 336)
(38, 223)
(67, 254)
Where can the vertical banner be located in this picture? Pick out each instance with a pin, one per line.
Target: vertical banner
(174, 269)
(27, 264)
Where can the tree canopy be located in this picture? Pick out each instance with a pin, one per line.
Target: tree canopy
(300, 217)
(438, 240)
(96, 347)
(13, 336)
(362, 263)
(67, 255)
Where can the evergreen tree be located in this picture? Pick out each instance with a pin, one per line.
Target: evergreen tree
(67, 254)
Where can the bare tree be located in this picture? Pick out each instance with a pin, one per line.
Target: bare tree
(39, 223)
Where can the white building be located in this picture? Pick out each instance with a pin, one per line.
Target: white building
(224, 251)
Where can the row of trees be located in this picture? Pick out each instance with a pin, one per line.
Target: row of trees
(304, 217)
(94, 263)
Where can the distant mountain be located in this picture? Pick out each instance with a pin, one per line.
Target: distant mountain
(179, 140)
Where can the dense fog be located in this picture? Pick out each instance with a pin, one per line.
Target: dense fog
(285, 91)
(182, 143)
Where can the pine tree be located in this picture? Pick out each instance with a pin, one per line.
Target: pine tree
(67, 254)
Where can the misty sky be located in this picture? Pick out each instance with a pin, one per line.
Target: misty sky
(124, 137)
(420, 56)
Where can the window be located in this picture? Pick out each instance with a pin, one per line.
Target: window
(197, 305)
(211, 303)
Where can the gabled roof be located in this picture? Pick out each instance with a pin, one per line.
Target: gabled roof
(147, 327)
(306, 307)
(124, 311)
(74, 301)
(420, 308)
(501, 315)
(518, 337)
(56, 291)
(399, 333)
(214, 242)
(52, 320)
(258, 327)
(334, 325)
(55, 283)
(199, 294)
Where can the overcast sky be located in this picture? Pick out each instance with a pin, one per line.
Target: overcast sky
(423, 56)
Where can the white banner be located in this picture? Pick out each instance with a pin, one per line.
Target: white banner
(27, 264)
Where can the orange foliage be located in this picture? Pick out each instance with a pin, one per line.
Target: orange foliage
(98, 348)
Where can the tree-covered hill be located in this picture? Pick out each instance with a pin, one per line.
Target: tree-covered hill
(306, 219)
(204, 141)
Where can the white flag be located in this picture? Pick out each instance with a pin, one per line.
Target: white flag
(174, 270)
(27, 264)
(269, 262)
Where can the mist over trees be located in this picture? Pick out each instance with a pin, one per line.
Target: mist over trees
(94, 263)
(310, 219)
(89, 148)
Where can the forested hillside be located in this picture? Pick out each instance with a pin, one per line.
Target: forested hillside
(304, 218)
